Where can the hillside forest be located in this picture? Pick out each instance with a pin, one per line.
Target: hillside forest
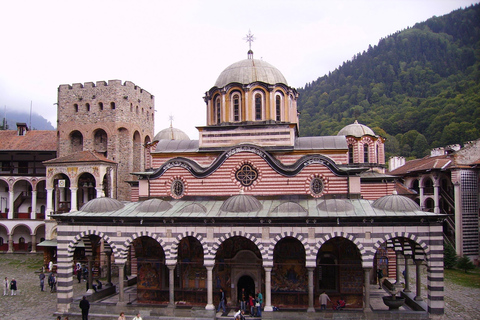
(419, 88)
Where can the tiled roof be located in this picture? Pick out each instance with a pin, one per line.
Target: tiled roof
(424, 164)
(82, 156)
(34, 140)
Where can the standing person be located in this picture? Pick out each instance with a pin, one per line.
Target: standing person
(260, 303)
(251, 303)
(85, 306)
(42, 280)
(222, 302)
(51, 281)
(324, 298)
(13, 286)
(122, 316)
(5, 287)
(380, 277)
(243, 299)
(137, 317)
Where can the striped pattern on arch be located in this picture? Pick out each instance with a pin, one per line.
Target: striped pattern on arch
(407, 235)
(328, 236)
(84, 236)
(154, 236)
(176, 243)
(298, 236)
(226, 236)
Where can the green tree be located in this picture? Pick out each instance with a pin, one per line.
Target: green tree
(465, 264)
(420, 146)
(450, 257)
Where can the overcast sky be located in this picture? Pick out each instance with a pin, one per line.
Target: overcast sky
(176, 49)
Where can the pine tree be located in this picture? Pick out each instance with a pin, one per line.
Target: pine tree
(449, 256)
(465, 264)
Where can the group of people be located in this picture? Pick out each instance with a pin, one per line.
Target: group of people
(324, 298)
(12, 286)
(251, 303)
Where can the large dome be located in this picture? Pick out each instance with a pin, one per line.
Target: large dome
(396, 202)
(249, 71)
(356, 129)
(102, 204)
(171, 134)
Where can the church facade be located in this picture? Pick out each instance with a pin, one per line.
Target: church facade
(250, 205)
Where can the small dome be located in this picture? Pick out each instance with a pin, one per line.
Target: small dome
(290, 207)
(356, 129)
(171, 133)
(102, 204)
(193, 208)
(154, 205)
(249, 71)
(241, 203)
(335, 205)
(395, 202)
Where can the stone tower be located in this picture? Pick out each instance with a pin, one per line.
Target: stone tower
(113, 119)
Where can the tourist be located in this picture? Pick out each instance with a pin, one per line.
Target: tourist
(13, 287)
(222, 302)
(85, 306)
(122, 316)
(5, 287)
(138, 317)
(324, 298)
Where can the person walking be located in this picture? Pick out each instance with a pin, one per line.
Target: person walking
(324, 298)
(380, 277)
(260, 303)
(138, 317)
(5, 287)
(222, 302)
(85, 306)
(13, 286)
(122, 316)
(41, 276)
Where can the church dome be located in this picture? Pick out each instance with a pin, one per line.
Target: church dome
(395, 202)
(102, 204)
(241, 203)
(356, 129)
(171, 133)
(336, 206)
(154, 205)
(249, 71)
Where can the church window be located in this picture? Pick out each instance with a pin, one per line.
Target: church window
(177, 188)
(112, 105)
(316, 186)
(217, 110)
(365, 153)
(350, 154)
(100, 105)
(376, 151)
(277, 108)
(88, 107)
(75, 107)
(236, 108)
(246, 175)
(258, 107)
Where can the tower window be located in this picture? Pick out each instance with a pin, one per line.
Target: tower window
(100, 105)
(365, 153)
(236, 108)
(88, 107)
(217, 111)
(112, 105)
(350, 154)
(377, 154)
(277, 108)
(75, 107)
(258, 107)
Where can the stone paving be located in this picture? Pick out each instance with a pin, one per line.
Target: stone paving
(32, 304)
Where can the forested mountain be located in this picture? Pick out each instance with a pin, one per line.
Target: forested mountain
(419, 88)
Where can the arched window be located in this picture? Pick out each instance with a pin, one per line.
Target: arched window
(365, 153)
(236, 107)
(350, 154)
(258, 106)
(376, 151)
(100, 105)
(278, 111)
(88, 106)
(217, 110)
(75, 107)
(112, 105)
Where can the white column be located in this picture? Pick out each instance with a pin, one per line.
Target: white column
(311, 306)
(100, 193)
(436, 196)
(422, 198)
(11, 195)
(268, 289)
(458, 219)
(366, 272)
(171, 285)
(10, 243)
(209, 305)
(33, 214)
(407, 276)
(34, 243)
(49, 209)
(73, 199)
(418, 296)
(121, 280)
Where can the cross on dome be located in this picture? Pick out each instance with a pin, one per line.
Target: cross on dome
(250, 38)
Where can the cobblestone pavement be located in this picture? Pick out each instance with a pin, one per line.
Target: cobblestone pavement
(32, 304)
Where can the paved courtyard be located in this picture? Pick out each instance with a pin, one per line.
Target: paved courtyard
(32, 304)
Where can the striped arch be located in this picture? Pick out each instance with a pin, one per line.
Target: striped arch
(407, 235)
(176, 243)
(154, 236)
(84, 236)
(213, 250)
(298, 236)
(363, 252)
